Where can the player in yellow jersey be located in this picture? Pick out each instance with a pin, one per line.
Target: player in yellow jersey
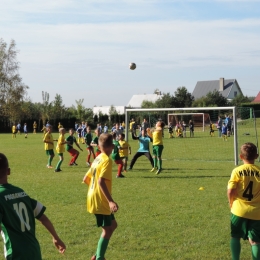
(124, 151)
(60, 148)
(48, 145)
(157, 137)
(211, 129)
(244, 199)
(34, 127)
(14, 131)
(99, 199)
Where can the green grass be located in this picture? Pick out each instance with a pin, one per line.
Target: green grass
(160, 217)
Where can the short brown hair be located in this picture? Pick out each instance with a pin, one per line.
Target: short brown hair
(248, 151)
(4, 165)
(105, 140)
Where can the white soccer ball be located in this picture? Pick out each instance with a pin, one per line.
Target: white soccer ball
(132, 66)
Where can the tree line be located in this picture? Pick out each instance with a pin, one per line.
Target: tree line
(16, 107)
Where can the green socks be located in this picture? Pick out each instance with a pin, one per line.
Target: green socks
(59, 164)
(154, 162)
(50, 160)
(102, 247)
(235, 248)
(160, 164)
(255, 251)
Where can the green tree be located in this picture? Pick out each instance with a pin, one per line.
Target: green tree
(166, 101)
(183, 98)
(239, 99)
(12, 89)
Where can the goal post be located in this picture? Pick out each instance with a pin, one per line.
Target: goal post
(229, 110)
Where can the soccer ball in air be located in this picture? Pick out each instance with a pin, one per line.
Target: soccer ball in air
(132, 66)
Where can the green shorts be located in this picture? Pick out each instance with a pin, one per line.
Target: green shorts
(157, 150)
(50, 152)
(245, 228)
(60, 154)
(104, 220)
(124, 158)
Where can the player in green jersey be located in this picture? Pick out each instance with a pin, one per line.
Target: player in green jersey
(244, 200)
(17, 218)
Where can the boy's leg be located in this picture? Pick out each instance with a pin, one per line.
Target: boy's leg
(59, 162)
(149, 157)
(255, 251)
(107, 232)
(136, 156)
(119, 167)
(235, 247)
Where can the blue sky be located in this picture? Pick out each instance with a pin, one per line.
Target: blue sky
(81, 49)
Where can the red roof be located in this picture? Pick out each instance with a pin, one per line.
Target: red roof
(257, 98)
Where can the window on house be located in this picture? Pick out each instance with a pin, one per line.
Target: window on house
(235, 93)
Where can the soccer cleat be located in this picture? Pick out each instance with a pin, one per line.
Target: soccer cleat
(120, 176)
(88, 164)
(153, 169)
(57, 170)
(125, 170)
(158, 172)
(129, 169)
(49, 166)
(75, 164)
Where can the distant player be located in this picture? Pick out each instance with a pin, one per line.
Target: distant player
(17, 220)
(49, 145)
(170, 130)
(124, 151)
(25, 130)
(211, 129)
(116, 157)
(13, 131)
(79, 132)
(90, 149)
(224, 131)
(34, 127)
(60, 148)
(94, 143)
(18, 128)
(244, 200)
(69, 147)
(99, 199)
(191, 127)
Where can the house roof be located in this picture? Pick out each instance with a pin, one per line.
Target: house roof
(137, 100)
(257, 99)
(202, 88)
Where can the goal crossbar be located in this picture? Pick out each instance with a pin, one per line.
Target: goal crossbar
(189, 109)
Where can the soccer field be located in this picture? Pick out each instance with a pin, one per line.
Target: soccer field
(159, 217)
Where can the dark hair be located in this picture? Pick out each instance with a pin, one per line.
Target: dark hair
(123, 135)
(114, 135)
(248, 151)
(3, 164)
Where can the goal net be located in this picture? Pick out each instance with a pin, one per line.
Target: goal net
(199, 119)
(207, 145)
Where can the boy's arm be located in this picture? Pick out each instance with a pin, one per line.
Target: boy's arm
(113, 205)
(129, 149)
(55, 238)
(231, 194)
(78, 145)
(134, 136)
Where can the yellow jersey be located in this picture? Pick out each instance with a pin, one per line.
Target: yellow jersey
(123, 152)
(13, 129)
(60, 148)
(246, 180)
(48, 137)
(96, 201)
(157, 137)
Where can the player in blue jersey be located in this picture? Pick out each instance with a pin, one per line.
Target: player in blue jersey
(144, 141)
